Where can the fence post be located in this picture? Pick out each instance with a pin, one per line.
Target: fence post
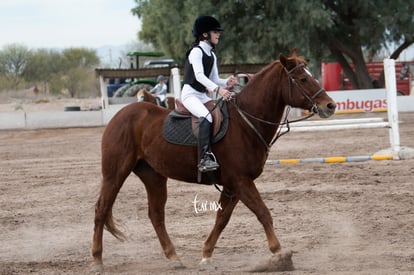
(176, 82)
(391, 86)
(104, 92)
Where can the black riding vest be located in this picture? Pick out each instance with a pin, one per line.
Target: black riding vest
(189, 77)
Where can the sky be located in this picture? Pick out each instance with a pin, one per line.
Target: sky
(76, 23)
(67, 23)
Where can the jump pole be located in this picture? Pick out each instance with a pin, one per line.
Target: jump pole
(330, 159)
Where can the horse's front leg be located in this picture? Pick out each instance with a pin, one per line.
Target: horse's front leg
(280, 261)
(222, 218)
(252, 199)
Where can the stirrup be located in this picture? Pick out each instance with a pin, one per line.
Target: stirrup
(208, 163)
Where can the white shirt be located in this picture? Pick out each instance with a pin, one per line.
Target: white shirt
(195, 58)
(160, 90)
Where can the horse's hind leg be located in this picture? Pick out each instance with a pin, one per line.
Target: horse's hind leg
(156, 187)
(114, 172)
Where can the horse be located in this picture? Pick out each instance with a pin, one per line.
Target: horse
(133, 142)
(144, 95)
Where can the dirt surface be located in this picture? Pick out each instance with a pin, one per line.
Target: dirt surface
(347, 218)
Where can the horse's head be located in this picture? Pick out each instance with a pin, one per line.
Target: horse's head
(141, 94)
(304, 90)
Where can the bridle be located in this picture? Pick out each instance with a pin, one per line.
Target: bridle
(314, 108)
(286, 122)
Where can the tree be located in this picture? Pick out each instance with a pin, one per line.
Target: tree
(361, 28)
(257, 31)
(78, 69)
(80, 58)
(13, 61)
(167, 26)
(71, 70)
(42, 64)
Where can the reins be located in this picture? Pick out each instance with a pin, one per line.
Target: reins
(285, 121)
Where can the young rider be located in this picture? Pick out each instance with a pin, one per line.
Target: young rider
(160, 90)
(200, 79)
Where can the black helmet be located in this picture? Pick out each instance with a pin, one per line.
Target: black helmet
(205, 24)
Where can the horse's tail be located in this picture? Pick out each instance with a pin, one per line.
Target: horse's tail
(111, 227)
(118, 158)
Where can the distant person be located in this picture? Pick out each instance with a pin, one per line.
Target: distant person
(36, 90)
(160, 90)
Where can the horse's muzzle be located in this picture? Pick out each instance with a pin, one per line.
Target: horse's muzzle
(325, 111)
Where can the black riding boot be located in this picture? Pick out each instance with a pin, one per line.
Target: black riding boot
(207, 159)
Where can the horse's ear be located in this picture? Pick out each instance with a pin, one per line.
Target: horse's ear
(294, 52)
(283, 60)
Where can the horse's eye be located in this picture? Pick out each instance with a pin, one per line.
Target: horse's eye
(303, 80)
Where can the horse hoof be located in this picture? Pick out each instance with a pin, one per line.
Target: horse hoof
(206, 264)
(280, 261)
(97, 269)
(176, 264)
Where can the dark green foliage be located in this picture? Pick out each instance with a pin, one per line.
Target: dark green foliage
(257, 31)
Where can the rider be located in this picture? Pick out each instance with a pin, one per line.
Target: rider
(160, 90)
(200, 79)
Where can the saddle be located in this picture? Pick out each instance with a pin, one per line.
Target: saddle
(181, 127)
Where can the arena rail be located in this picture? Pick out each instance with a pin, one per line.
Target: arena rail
(330, 159)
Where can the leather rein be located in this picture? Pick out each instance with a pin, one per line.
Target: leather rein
(286, 122)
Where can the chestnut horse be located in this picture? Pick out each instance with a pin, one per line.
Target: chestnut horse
(133, 142)
(144, 95)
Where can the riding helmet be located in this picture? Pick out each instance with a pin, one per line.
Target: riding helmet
(205, 24)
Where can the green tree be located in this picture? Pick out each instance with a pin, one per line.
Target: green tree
(166, 26)
(257, 31)
(71, 70)
(78, 70)
(42, 65)
(13, 61)
(80, 58)
(360, 29)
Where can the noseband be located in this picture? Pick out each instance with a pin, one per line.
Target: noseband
(314, 108)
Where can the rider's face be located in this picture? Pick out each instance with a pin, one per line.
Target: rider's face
(215, 36)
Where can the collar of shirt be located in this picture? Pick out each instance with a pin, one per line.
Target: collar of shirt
(206, 47)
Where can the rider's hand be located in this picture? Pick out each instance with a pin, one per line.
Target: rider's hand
(226, 94)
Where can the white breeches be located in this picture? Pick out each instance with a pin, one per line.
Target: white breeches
(194, 102)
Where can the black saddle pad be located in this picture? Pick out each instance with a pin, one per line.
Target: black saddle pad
(177, 128)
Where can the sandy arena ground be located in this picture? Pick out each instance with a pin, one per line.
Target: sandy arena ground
(349, 218)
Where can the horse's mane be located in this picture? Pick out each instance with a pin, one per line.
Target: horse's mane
(262, 75)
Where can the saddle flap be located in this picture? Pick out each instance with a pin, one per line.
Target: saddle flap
(211, 106)
(180, 127)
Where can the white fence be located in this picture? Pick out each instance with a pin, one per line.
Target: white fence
(36, 120)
